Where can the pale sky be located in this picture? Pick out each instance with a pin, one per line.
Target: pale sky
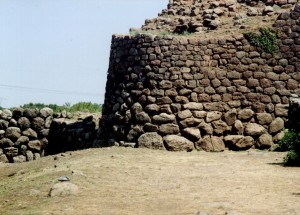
(57, 51)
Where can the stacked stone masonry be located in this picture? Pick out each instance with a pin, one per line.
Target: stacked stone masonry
(28, 134)
(198, 16)
(186, 93)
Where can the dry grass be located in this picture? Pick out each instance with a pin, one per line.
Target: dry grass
(139, 181)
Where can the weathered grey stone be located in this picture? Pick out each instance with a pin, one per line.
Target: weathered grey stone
(35, 145)
(44, 132)
(31, 113)
(170, 128)
(142, 118)
(178, 143)
(184, 114)
(163, 118)
(264, 118)
(276, 125)
(63, 189)
(23, 140)
(46, 112)
(192, 134)
(220, 126)
(254, 129)
(281, 110)
(245, 114)
(213, 116)
(13, 123)
(265, 141)
(210, 144)
(152, 108)
(190, 122)
(206, 128)
(136, 108)
(134, 133)
(17, 113)
(13, 133)
(19, 159)
(238, 142)
(6, 114)
(29, 155)
(193, 106)
(38, 123)
(199, 114)
(230, 117)
(3, 124)
(30, 133)
(48, 121)
(148, 127)
(278, 136)
(151, 140)
(24, 123)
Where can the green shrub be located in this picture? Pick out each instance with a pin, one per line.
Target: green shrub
(80, 106)
(291, 143)
(266, 40)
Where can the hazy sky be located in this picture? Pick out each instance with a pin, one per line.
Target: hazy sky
(57, 51)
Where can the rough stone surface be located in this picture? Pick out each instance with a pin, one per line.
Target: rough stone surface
(178, 143)
(276, 125)
(151, 140)
(253, 129)
(63, 189)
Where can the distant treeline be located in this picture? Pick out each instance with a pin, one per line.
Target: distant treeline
(80, 106)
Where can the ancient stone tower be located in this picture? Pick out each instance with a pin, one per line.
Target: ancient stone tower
(192, 79)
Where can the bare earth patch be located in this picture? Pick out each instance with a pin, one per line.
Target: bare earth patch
(140, 181)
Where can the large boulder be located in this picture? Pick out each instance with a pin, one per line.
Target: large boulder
(30, 133)
(254, 129)
(192, 134)
(24, 123)
(170, 128)
(35, 145)
(163, 118)
(17, 113)
(265, 141)
(276, 125)
(210, 144)
(31, 113)
(23, 140)
(38, 123)
(245, 114)
(45, 112)
(264, 118)
(239, 142)
(230, 117)
(13, 133)
(142, 118)
(6, 114)
(206, 128)
(151, 140)
(178, 143)
(213, 116)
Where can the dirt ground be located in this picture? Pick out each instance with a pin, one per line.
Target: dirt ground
(140, 181)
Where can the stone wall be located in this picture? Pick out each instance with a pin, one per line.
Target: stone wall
(28, 134)
(198, 16)
(182, 93)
